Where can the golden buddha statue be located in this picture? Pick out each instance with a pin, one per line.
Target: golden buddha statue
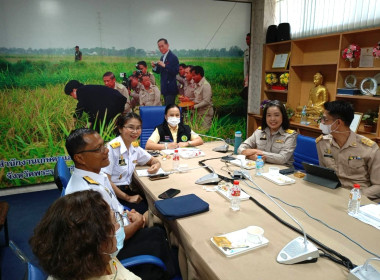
(318, 95)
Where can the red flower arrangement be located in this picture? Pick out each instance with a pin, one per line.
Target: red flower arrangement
(353, 51)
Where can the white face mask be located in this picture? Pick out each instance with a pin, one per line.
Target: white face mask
(173, 121)
(326, 128)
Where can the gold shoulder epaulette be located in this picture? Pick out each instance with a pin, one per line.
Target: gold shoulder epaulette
(367, 142)
(290, 131)
(90, 181)
(116, 144)
(319, 138)
(259, 128)
(135, 144)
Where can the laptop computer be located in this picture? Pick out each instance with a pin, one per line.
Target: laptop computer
(321, 175)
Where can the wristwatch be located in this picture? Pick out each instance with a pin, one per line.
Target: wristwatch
(166, 145)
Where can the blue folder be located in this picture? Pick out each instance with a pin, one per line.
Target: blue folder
(181, 206)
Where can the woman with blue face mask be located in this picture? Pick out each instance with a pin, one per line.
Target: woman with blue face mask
(172, 133)
(79, 238)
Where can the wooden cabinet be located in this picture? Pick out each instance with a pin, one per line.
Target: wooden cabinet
(320, 54)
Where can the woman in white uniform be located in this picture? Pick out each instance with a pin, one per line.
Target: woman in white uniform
(124, 157)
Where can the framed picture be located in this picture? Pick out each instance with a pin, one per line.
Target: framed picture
(281, 60)
(356, 121)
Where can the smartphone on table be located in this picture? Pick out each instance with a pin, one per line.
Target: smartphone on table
(158, 177)
(169, 193)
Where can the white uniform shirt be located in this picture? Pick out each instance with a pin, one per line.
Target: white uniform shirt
(82, 180)
(123, 162)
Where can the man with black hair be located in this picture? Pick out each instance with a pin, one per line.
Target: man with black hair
(110, 81)
(141, 65)
(355, 158)
(203, 95)
(78, 54)
(89, 153)
(167, 67)
(102, 104)
(181, 78)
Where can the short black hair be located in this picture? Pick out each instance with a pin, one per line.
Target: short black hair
(75, 141)
(285, 120)
(77, 47)
(183, 65)
(109, 74)
(248, 34)
(163, 39)
(71, 85)
(198, 70)
(142, 62)
(340, 109)
(189, 66)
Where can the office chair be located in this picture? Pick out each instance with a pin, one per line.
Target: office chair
(35, 273)
(306, 151)
(62, 175)
(151, 117)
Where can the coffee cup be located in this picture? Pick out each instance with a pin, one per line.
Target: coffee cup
(255, 234)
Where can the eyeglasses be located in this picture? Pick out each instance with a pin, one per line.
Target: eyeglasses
(101, 149)
(132, 128)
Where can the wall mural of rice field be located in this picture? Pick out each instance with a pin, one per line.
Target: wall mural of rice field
(36, 115)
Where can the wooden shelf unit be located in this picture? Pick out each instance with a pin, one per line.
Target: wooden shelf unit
(320, 54)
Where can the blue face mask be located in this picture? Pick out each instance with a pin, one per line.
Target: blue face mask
(120, 236)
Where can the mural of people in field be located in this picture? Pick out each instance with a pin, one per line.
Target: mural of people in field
(38, 57)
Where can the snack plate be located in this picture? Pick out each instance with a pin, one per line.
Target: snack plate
(278, 178)
(238, 239)
(226, 193)
(248, 164)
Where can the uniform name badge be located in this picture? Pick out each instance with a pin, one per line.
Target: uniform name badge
(122, 161)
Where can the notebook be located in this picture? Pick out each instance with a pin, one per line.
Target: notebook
(321, 175)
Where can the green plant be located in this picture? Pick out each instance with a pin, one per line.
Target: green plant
(370, 117)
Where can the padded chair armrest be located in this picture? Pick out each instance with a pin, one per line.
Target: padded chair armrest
(143, 259)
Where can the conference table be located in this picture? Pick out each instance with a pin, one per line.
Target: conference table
(194, 232)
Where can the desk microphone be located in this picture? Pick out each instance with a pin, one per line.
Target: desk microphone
(211, 178)
(222, 149)
(364, 272)
(299, 250)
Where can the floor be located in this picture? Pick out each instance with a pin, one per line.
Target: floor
(27, 189)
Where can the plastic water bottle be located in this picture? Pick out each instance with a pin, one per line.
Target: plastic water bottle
(175, 160)
(259, 166)
(354, 202)
(237, 141)
(303, 115)
(235, 196)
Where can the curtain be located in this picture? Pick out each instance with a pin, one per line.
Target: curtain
(318, 17)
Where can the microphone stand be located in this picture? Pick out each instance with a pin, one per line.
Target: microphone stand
(299, 250)
(223, 148)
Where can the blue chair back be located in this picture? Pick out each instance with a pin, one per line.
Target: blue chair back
(151, 117)
(62, 175)
(306, 151)
(34, 273)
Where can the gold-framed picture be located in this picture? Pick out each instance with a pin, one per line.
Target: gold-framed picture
(281, 60)
(356, 121)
